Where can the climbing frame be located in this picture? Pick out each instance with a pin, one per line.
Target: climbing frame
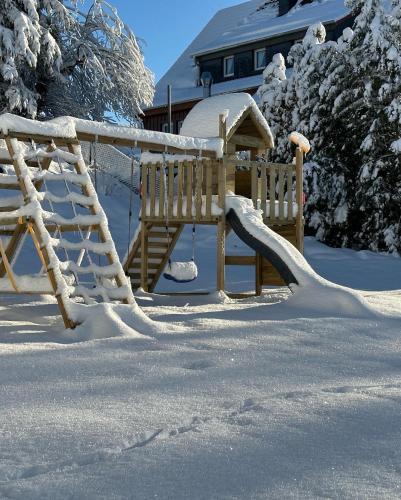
(57, 216)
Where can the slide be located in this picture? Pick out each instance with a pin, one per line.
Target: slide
(314, 292)
(248, 224)
(262, 248)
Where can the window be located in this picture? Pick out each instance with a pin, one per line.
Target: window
(260, 59)
(179, 125)
(165, 128)
(229, 66)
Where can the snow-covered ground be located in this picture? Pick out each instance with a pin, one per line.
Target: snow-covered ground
(258, 398)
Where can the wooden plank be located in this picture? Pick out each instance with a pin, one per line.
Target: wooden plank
(170, 191)
(144, 182)
(152, 189)
(189, 190)
(162, 189)
(209, 186)
(300, 198)
(290, 207)
(240, 260)
(253, 163)
(198, 189)
(272, 192)
(254, 184)
(144, 257)
(157, 244)
(281, 213)
(248, 140)
(263, 189)
(180, 180)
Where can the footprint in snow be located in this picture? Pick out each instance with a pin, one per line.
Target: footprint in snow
(201, 364)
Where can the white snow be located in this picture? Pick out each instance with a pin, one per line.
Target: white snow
(60, 127)
(182, 271)
(203, 119)
(282, 396)
(68, 127)
(312, 290)
(301, 141)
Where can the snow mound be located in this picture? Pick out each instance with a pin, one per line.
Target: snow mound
(300, 140)
(103, 321)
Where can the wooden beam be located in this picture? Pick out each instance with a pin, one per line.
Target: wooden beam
(248, 141)
(240, 260)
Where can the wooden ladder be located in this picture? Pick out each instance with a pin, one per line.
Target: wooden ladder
(102, 281)
(160, 246)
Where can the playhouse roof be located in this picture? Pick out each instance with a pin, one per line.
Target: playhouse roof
(203, 120)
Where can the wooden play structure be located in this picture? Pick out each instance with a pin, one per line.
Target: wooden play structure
(53, 212)
(275, 188)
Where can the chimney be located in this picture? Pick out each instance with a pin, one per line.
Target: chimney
(285, 5)
(206, 81)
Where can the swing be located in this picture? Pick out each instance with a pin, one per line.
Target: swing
(179, 272)
(182, 272)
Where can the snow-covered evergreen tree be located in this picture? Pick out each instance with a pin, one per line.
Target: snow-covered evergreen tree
(375, 59)
(56, 60)
(345, 96)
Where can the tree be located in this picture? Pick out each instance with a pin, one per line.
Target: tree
(56, 60)
(345, 96)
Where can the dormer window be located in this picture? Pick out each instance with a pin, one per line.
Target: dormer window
(259, 59)
(228, 66)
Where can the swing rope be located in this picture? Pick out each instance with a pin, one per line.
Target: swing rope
(165, 167)
(131, 193)
(175, 270)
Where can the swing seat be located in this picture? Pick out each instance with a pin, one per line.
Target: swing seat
(181, 272)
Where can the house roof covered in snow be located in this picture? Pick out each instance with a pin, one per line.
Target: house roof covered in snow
(203, 119)
(240, 24)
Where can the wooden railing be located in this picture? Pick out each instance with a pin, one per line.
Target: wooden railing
(276, 189)
(188, 191)
(183, 191)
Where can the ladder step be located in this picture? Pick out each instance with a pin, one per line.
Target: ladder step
(154, 255)
(137, 276)
(160, 234)
(137, 265)
(158, 244)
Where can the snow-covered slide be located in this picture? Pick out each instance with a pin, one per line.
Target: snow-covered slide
(310, 290)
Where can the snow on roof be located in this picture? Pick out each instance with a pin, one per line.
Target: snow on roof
(236, 25)
(68, 127)
(203, 119)
(255, 27)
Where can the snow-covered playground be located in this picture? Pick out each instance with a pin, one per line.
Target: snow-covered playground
(208, 398)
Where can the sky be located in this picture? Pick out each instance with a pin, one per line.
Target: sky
(167, 26)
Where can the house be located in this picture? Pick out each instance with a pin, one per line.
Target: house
(233, 50)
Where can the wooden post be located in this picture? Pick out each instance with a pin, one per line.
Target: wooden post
(299, 162)
(221, 225)
(144, 256)
(259, 274)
